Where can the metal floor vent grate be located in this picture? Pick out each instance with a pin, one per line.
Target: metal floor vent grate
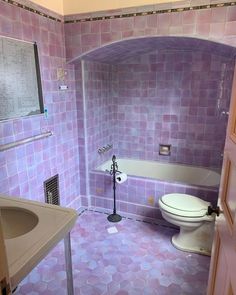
(51, 190)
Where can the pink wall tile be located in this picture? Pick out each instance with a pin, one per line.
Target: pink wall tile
(29, 165)
(105, 26)
(115, 25)
(230, 28)
(231, 14)
(127, 24)
(203, 29)
(204, 15)
(217, 30)
(164, 20)
(153, 99)
(196, 23)
(176, 19)
(140, 22)
(60, 154)
(189, 17)
(85, 28)
(90, 39)
(219, 15)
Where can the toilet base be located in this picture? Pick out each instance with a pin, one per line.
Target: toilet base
(196, 250)
(198, 240)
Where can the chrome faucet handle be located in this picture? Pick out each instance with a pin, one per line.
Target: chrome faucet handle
(100, 151)
(105, 148)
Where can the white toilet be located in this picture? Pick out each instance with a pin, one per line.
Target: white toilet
(190, 214)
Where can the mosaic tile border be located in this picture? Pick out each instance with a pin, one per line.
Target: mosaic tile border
(25, 7)
(125, 15)
(126, 217)
(161, 11)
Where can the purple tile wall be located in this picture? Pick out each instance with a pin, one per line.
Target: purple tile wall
(23, 169)
(172, 97)
(168, 96)
(122, 51)
(214, 24)
(95, 118)
(100, 122)
(139, 196)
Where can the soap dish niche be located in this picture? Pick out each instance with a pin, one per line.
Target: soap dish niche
(164, 149)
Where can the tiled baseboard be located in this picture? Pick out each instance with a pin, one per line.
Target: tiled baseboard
(125, 215)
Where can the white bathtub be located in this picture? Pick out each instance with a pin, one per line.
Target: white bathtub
(166, 172)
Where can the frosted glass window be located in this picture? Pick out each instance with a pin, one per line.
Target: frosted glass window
(20, 83)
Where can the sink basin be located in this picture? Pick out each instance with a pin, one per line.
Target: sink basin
(17, 221)
(31, 229)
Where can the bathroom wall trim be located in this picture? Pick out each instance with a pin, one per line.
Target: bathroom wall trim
(151, 12)
(31, 9)
(80, 18)
(127, 216)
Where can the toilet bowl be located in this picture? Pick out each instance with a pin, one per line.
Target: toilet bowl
(190, 214)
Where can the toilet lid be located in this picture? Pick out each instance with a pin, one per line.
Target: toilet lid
(185, 205)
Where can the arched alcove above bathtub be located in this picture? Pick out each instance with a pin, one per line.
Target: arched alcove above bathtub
(144, 92)
(123, 50)
(213, 22)
(140, 93)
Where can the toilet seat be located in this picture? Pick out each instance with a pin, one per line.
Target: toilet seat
(183, 205)
(189, 213)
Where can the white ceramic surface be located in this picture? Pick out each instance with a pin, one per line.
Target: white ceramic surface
(17, 221)
(183, 205)
(196, 227)
(166, 171)
(28, 246)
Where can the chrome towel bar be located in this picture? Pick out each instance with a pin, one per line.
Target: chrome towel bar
(16, 143)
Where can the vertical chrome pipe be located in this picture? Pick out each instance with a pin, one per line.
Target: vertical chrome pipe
(68, 261)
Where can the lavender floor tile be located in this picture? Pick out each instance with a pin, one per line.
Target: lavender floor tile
(138, 259)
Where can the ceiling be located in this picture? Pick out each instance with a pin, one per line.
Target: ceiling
(67, 7)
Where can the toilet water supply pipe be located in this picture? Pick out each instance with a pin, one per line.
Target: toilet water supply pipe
(114, 217)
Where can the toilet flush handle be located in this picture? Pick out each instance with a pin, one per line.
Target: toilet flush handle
(216, 210)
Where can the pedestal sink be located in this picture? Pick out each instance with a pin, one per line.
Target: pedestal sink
(17, 221)
(31, 229)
